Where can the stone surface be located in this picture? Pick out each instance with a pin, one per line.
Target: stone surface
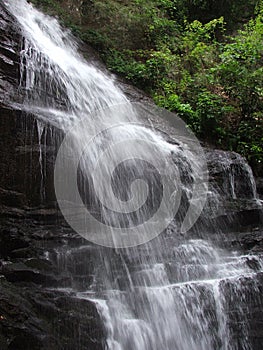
(259, 183)
(34, 314)
(34, 319)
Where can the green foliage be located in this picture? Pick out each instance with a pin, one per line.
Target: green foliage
(234, 11)
(211, 111)
(173, 103)
(127, 66)
(199, 58)
(250, 140)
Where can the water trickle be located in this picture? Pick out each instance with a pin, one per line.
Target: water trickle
(172, 293)
(40, 130)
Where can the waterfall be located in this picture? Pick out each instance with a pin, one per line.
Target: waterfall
(155, 289)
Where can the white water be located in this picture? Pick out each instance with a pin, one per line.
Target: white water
(168, 294)
(183, 304)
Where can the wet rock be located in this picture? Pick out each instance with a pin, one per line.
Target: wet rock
(20, 272)
(25, 188)
(36, 317)
(259, 183)
(33, 319)
(39, 264)
(21, 145)
(250, 292)
(249, 241)
(11, 239)
(3, 343)
(22, 253)
(19, 324)
(231, 174)
(252, 241)
(9, 58)
(75, 320)
(11, 198)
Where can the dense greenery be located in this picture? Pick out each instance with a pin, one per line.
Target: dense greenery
(199, 58)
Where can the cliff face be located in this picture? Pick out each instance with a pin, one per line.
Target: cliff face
(33, 314)
(23, 153)
(32, 317)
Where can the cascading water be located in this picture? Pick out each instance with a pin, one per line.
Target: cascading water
(172, 293)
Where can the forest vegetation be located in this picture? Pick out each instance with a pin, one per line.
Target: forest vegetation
(202, 59)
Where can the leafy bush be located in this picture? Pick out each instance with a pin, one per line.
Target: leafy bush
(184, 54)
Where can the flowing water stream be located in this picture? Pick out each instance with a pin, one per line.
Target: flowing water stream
(174, 292)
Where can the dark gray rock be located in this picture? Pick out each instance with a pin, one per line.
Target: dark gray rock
(231, 174)
(9, 58)
(66, 322)
(259, 183)
(36, 315)
(252, 241)
(10, 240)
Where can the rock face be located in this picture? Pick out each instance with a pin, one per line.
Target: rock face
(9, 56)
(32, 315)
(238, 208)
(38, 309)
(25, 152)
